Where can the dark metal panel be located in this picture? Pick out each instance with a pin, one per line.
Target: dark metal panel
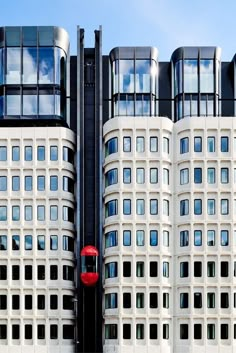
(227, 89)
(164, 89)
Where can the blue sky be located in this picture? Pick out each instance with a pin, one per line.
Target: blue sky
(166, 24)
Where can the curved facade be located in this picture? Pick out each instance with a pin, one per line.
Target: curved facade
(138, 232)
(33, 74)
(37, 237)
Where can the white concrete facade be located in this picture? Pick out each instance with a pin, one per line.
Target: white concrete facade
(37, 238)
(191, 270)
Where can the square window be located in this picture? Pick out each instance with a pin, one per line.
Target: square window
(28, 183)
(153, 175)
(3, 183)
(41, 153)
(28, 242)
(41, 242)
(211, 238)
(183, 331)
(153, 207)
(140, 238)
(53, 183)
(126, 175)
(197, 175)
(15, 153)
(28, 273)
(184, 176)
(184, 207)
(197, 329)
(184, 238)
(28, 153)
(3, 153)
(183, 269)
(224, 172)
(183, 300)
(211, 176)
(198, 238)
(224, 236)
(140, 144)
(224, 146)
(28, 213)
(127, 144)
(15, 213)
(153, 144)
(184, 145)
(140, 176)
(41, 213)
(211, 300)
(15, 242)
(197, 269)
(53, 332)
(53, 153)
(126, 207)
(53, 213)
(41, 183)
(3, 242)
(153, 300)
(211, 207)
(197, 206)
(197, 144)
(140, 207)
(126, 237)
(53, 302)
(153, 238)
(28, 332)
(53, 242)
(211, 144)
(15, 183)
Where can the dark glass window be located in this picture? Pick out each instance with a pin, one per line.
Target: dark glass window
(3, 302)
(41, 302)
(53, 332)
(41, 332)
(15, 302)
(183, 331)
(3, 272)
(53, 302)
(197, 144)
(111, 177)
(68, 303)
(111, 208)
(28, 332)
(28, 272)
(53, 272)
(28, 302)
(15, 332)
(68, 273)
(153, 238)
(126, 331)
(126, 269)
(68, 332)
(153, 300)
(15, 272)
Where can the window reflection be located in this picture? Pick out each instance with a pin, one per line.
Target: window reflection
(126, 76)
(13, 65)
(46, 65)
(206, 76)
(46, 104)
(30, 105)
(190, 76)
(29, 65)
(60, 67)
(13, 105)
(178, 77)
(142, 76)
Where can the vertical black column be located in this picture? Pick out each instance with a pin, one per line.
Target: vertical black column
(89, 172)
